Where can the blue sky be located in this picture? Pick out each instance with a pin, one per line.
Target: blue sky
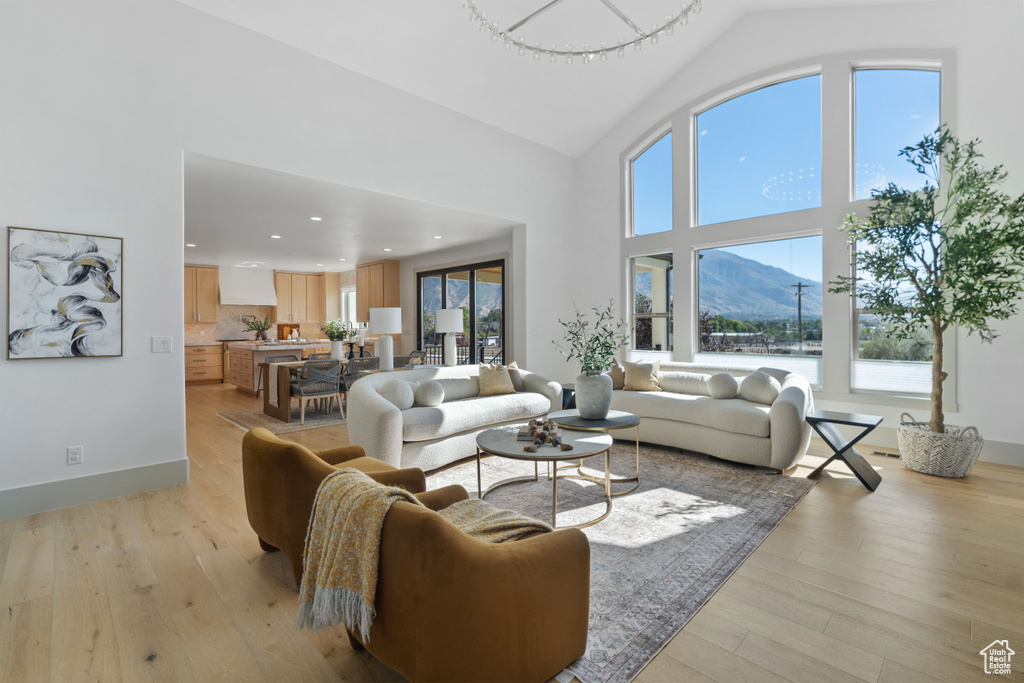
(760, 153)
(800, 256)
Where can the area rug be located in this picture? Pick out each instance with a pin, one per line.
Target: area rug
(661, 553)
(247, 419)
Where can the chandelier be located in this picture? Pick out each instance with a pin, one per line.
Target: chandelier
(635, 38)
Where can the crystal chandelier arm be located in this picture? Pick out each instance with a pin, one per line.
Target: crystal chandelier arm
(543, 9)
(620, 15)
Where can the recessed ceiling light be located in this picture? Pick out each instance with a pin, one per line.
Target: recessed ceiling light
(189, 244)
(319, 265)
(387, 249)
(341, 259)
(315, 218)
(275, 237)
(437, 237)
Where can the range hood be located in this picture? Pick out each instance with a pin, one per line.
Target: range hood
(247, 287)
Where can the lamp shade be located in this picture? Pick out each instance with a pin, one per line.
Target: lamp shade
(385, 320)
(448, 320)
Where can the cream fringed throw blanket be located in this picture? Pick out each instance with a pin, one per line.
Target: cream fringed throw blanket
(340, 561)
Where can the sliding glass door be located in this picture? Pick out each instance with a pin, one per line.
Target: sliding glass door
(479, 291)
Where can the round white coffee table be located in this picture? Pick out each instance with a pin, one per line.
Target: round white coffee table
(616, 419)
(503, 442)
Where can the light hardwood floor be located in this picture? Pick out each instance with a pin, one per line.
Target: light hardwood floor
(904, 584)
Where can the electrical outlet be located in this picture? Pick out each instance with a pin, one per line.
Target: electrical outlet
(76, 455)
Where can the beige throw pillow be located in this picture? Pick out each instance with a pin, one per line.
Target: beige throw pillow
(517, 379)
(495, 381)
(642, 376)
(618, 375)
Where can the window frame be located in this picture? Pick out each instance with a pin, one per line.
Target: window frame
(471, 268)
(667, 315)
(629, 200)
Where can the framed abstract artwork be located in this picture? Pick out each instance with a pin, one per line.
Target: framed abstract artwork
(63, 295)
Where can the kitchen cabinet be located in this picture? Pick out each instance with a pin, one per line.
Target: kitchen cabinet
(203, 363)
(376, 287)
(202, 294)
(303, 297)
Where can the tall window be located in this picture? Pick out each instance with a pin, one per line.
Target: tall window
(759, 154)
(894, 108)
(652, 188)
(652, 302)
(479, 291)
(763, 299)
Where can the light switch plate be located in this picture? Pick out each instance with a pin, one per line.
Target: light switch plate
(161, 344)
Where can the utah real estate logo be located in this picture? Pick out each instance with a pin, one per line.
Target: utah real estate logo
(997, 657)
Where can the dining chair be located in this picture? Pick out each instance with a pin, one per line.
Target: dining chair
(320, 356)
(272, 359)
(317, 379)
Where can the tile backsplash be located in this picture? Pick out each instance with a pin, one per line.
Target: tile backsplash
(228, 326)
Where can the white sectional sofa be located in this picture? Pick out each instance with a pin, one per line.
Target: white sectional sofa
(684, 416)
(429, 437)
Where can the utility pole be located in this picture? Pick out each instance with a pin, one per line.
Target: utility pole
(800, 287)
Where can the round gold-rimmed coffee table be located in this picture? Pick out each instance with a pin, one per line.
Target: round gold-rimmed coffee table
(503, 442)
(616, 419)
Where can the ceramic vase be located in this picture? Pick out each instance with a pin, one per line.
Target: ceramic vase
(593, 396)
(337, 350)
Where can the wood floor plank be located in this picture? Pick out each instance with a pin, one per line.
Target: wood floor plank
(788, 663)
(28, 571)
(666, 669)
(84, 644)
(707, 624)
(714, 662)
(25, 641)
(148, 644)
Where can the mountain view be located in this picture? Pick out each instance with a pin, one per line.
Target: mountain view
(488, 295)
(743, 289)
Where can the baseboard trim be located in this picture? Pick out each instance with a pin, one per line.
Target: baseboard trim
(53, 495)
(998, 452)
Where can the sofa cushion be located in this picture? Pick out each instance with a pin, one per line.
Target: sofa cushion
(731, 415)
(428, 393)
(723, 385)
(618, 374)
(452, 417)
(399, 393)
(760, 387)
(495, 381)
(642, 376)
(695, 383)
(513, 374)
(456, 388)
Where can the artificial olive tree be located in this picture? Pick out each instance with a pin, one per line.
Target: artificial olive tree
(948, 254)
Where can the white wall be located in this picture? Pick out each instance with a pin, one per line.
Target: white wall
(99, 101)
(988, 56)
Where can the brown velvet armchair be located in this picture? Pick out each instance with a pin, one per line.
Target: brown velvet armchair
(281, 479)
(453, 608)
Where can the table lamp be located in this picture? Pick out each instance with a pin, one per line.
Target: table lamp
(447, 321)
(385, 322)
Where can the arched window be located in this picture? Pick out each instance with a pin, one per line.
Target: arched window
(651, 173)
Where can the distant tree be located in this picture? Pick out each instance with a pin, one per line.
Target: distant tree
(642, 332)
(707, 326)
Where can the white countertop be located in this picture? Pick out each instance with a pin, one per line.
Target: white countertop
(283, 346)
(210, 343)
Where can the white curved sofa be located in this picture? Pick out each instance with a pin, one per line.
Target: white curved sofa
(733, 429)
(430, 437)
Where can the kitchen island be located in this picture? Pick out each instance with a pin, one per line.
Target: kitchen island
(246, 357)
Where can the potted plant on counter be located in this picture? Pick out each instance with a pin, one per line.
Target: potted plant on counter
(593, 343)
(338, 332)
(260, 327)
(950, 254)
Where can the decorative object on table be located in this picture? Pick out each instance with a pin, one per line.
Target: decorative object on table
(592, 343)
(386, 322)
(962, 248)
(448, 321)
(663, 551)
(63, 295)
(254, 324)
(338, 331)
(526, 432)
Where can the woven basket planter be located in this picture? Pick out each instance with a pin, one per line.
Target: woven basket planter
(952, 454)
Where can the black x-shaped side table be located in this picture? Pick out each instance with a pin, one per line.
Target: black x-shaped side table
(824, 423)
